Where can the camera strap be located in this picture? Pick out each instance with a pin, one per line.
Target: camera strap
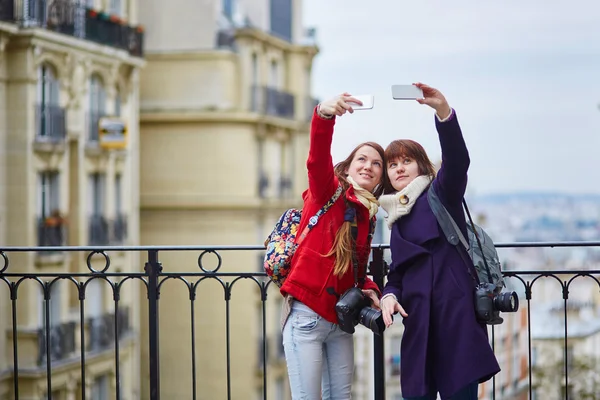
(351, 217)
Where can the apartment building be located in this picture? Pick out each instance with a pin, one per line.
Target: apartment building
(69, 87)
(225, 106)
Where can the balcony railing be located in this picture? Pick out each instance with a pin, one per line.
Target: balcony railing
(73, 18)
(269, 101)
(99, 232)
(57, 342)
(50, 123)
(105, 330)
(51, 232)
(119, 229)
(7, 10)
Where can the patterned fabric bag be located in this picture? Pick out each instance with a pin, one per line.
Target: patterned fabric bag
(282, 243)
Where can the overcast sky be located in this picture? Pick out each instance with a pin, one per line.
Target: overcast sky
(523, 76)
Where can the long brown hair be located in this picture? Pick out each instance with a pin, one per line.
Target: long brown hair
(402, 148)
(343, 244)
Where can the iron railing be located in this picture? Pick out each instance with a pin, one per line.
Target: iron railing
(51, 233)
(99, 234)
(74, 18)
(154, 276)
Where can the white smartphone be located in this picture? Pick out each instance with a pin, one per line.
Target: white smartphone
(406, 92)
(367, 100)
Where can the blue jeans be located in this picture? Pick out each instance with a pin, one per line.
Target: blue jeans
(467, 393)
(319, 356)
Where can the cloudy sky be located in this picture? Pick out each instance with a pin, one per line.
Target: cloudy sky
(524, 77)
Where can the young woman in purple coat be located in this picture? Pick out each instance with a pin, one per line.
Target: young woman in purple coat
(444, 348)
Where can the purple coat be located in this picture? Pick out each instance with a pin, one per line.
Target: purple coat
(444, 348)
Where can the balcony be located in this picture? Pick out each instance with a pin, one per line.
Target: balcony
(105, 328)
(61, 343)
(73, 18)
(517, 343)
(98, 231)
(50, 124)
(273, 102)
(119, 229)
(51, 231)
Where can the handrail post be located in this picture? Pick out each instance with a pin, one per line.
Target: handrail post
(153, 269)
(378, 271)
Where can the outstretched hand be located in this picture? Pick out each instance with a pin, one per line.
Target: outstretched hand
(339, 105)
(389, 307)
(434, 99)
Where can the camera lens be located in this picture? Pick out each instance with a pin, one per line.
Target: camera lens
(507, 302)
(372, 319)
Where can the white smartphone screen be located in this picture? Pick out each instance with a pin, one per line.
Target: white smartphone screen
(406, 92)
(368, 101)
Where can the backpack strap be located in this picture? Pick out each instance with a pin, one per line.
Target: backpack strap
(315, 218)
(447, 223)
(452, 231)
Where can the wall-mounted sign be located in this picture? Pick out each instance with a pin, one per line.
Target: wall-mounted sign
(112, 133)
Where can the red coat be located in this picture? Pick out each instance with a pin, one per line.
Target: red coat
(311, 279)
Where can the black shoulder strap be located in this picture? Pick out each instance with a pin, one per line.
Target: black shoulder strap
(452, 231)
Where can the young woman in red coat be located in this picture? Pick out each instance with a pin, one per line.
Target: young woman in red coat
(444, 348)
(319, 355)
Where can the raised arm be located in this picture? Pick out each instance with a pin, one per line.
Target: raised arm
(319, 162)
(451, 180)
(321, 181)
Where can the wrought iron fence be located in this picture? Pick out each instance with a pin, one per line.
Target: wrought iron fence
(107, 331)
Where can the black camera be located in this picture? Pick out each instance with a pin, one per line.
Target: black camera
(353, 308)
(489, 303)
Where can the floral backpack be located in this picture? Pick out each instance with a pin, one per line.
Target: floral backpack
(282, 243)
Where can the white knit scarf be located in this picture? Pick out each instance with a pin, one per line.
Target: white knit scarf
(400, 203)
(365, 197)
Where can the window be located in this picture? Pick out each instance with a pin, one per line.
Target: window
(115, 7)
(49, 115)
(100, 388)
(228, 8)
(263, 179)
(50, 219)
(54, 305)
(117, 112)
(118, 194)
(120, 223)
(48, 193)
(274, 76)
(281, 19)
(98, 233)
(97, 105)
(97, 192)
(254, 69)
